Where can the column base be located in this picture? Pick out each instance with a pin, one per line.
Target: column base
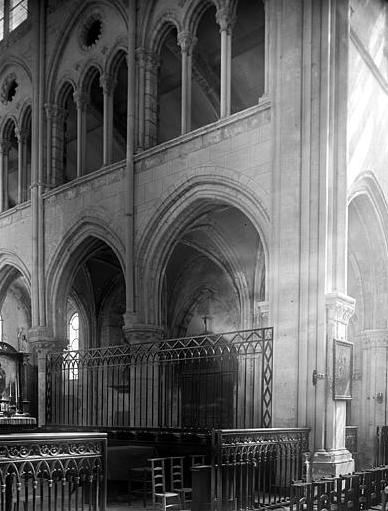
(332, 463)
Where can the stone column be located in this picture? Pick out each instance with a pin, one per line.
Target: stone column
(81, 102)
(186, 41)
(140, 56)
(42, 342)
(21, 136)
(55, 116)
(55, 145)
(108, 84)
(332, 458)
(4, 148)
(151, 100)
(225, 19)
(267, 62)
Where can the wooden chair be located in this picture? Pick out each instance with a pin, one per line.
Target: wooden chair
(162, 499)
(177, 481)
(197, 459)
(139, 484)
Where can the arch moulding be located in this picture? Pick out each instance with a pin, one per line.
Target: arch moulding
(178, 209)
(64, 264)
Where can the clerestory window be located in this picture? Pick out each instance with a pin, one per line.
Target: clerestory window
(12, 14)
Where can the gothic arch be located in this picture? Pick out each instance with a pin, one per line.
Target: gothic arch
(25, 115)
(66, 86)
(9, 123)
(176, 212)
(196, 10)
(13, 61)
(161, 28)
(92, 68)
(115, 58)
(76, 244)
(63, 38)
(12, 267)
(368, 247)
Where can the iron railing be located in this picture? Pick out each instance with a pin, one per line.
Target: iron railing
(203, 382)
(358, 491)
(52, 471)
(253, 468)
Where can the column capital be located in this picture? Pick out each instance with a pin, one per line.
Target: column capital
(21, 134)
(54, 111)
(81, 100)
(140, 55)
(42, 341)
(340, 307)
(226, 19)
(107, 82)
(152, 61)
(186, 42)
(135, 331)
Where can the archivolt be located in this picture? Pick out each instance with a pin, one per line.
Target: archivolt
(77, 244)
(173, 216)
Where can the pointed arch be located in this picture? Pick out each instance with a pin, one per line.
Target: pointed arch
(84, 237)
(68, 28)
(171, 219)
(161, 28)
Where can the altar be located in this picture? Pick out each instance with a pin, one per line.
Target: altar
(14, 407)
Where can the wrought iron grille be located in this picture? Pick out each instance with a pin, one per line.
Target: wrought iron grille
(202, 382)
(53, 471)
(253, 468)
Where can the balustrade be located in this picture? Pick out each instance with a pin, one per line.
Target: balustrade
(202, 382)
(53, 471)
(253, 468)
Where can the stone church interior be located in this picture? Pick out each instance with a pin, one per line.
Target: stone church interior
(193, 254)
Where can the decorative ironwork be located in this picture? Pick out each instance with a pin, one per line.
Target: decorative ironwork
(203, 382)
(358, 491)
(53, 471)
(253, 468)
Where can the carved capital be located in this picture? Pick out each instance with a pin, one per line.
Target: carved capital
(340, 307)
(226, 19)
(152, 61)
(140, 55)
(21, 134)
(42, 341)
(107, 83)
(81, 100)
(135, 332)
(186, 41)
(54, 112)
